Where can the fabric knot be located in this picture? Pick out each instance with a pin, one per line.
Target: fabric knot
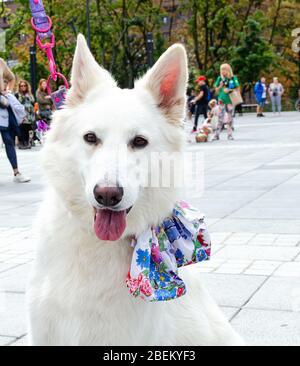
(180, 240)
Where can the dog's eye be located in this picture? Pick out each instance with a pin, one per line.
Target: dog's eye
(139, 142)
(91, 138)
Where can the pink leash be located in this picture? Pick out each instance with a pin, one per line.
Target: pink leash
(42, 24)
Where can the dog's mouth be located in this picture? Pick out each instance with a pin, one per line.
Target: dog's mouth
(109, 224)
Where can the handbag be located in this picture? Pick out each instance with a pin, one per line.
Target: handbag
(17, 108)
(235, 97)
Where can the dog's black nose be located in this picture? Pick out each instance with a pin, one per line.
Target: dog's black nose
(108, 196)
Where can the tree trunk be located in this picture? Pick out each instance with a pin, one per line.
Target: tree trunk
(206, 34)
(245, 19)
(195, 34)
(275, 21)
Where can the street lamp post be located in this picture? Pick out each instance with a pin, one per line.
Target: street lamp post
(299, 72)
(32, 52)
(149, 46)
(88, 26)
(72, 25)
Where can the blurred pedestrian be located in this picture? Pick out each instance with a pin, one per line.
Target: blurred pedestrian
(11, 115)
(260, 91)
(225, 84)
(201, 100)
(276, 91)
(26, 98)
(44, 102)
(191, 94)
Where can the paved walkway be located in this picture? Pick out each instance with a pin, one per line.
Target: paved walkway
(252, 205)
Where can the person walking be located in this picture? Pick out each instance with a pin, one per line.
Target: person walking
(9, 112)
(260, 91)
(224, 85)
(26, 98)
(276, 91)
(44, 102)
(201, 100)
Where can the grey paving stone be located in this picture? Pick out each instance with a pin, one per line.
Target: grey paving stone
(12, 315)
(4, 341)
(239, 238)
(229, 311)
(262, 267)
(23, 341)
(268, 327)
(6, 266)
(290, 269)
(229, 289)
(256, 252)
(270, 226)
(267, 213)
(277, 293)
(289, 240)
(15, 279)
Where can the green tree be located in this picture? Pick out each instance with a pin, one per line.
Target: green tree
(254, 54)
(253, 35)
(118, 35)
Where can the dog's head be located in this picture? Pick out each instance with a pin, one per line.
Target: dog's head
(94, 150)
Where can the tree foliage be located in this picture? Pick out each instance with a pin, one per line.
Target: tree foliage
(253, 35)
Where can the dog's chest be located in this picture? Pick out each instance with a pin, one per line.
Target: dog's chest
(85, 297)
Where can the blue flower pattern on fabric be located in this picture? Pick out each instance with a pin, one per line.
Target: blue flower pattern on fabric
(179, 257)
(143, 258)
(201, 255)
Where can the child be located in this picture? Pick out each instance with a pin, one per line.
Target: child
(219, 111)
(42, 128)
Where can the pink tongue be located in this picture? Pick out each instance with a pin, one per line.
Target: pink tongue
(110, 225)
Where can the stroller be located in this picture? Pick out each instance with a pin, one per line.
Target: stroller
(41, 130)
(42, 124)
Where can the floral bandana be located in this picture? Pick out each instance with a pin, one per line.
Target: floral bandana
(180, 240)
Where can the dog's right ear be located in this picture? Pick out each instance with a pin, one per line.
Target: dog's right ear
(86, 74)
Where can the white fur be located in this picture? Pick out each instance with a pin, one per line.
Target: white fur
(77, 293)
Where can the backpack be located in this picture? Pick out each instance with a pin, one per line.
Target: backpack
(209, 94)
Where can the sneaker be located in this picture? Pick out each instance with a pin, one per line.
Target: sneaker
(230, 137)
(194, 129)
(19, 178)
(215, 138)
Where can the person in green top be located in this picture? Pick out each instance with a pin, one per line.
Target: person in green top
(224, 85)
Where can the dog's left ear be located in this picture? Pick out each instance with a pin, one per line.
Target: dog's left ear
(167, 81)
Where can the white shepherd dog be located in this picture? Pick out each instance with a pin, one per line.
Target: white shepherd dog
(77, 293)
